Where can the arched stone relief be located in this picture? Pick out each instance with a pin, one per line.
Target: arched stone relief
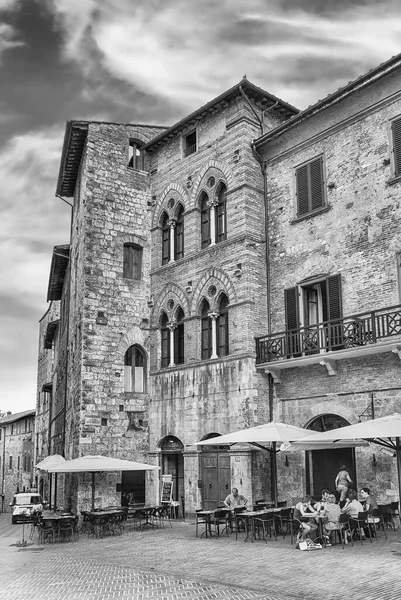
(172, 292)
(135, 335)
(175, 191)
(213, 168)
(213, 278)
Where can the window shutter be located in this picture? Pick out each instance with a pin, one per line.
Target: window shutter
(221, 233)
(179, 236)
(291, 308)
(302, 190)
(396, 127)
(165, 347)
(316, 183)
(222, 333)
(206, 338)
(136, 262)
(205, 224)
(165, 241)
(127, 262)
(334, 297)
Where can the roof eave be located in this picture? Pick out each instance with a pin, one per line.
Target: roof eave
(210, 106)
(58, 269)
(71, 156)
(375, 73)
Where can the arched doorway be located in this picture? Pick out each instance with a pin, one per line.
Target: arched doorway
(173, 463)
(322, 466)
(215, 474)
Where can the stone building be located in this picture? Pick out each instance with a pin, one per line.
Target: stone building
(16, 454)
(333, 336)
(246, 219)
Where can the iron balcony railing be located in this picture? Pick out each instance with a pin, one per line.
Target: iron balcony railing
(348, 332)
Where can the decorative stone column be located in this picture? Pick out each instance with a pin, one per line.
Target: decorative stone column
(212, 206)
(213, 316)
(172, 223)
(172, 326)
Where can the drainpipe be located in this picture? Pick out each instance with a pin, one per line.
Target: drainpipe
(4, 429)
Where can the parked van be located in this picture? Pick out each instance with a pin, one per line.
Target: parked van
(25, 505)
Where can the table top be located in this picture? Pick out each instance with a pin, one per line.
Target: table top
(54, 517)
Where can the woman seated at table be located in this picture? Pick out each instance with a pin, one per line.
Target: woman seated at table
(352, 507)
(332, 511)
(304, 513)
(368, 499)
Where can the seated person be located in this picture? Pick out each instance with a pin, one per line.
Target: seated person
(321, 504)
(304, 513)
(235, 499)
(369, 500)
(332, 511)
(352, 507)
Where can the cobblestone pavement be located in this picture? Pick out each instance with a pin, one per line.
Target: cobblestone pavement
(172, 564)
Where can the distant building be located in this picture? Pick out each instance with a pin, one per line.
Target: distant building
(238, 267)
(16, 453)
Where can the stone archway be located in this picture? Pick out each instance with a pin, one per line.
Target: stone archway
(322, 466)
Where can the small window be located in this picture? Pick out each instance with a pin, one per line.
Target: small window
(221, 233)
(10, 464)
(104, 422)
(205, 221)
(134, 370)
(179, 338)
(165, 239)
(309, 186)
(132, 262)
(136, 155)
(222, 327)
(189, 143)
(165, 341)
(179, 234)
(206, 333)
(396, 135)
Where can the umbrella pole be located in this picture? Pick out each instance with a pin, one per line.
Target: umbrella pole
(93, 490)
(273, 474)
(55, 493)
(398, 454)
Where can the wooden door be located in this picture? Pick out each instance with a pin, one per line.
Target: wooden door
(215, 475)
(324, 466)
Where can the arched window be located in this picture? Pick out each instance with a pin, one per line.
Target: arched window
(221, 233)
(206, 331)
(179, 234)
(222, 327)
(179, 338)
(165, 339)
(134, 369)
(136, 155)
(205, 221)
(165, 239)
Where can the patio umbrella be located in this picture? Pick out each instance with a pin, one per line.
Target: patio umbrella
(54, 460)
(264, 437)
(98, 464)
(385, 432)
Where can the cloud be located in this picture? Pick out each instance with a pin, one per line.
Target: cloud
(7, 38)
(32, 221)
(189, 52)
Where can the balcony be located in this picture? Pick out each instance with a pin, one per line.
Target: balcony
(324, 343)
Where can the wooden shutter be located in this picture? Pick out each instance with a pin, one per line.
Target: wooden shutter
(309, 182)
(221, 233)
(302, 190)
(292, 321)
(165, 241)
(206, 338)
(334, 302)
(136, 262)
(396, 129)
(291, 308)
(127, 261)
(179, 344)
(222, 334)
(165, 347)
(316, 183)
(179, 235)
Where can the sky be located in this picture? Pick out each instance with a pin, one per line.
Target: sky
(140, 61)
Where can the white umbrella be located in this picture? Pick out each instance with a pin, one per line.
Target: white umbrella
(264, 437)
(98, 464)
(385, 432)
(54, 460)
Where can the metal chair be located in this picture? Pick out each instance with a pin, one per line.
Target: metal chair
(239, 521)
(360, 523)
(47, 530)
(67, 529)
(284, 522)
(117, 522)
(201, 519)
(266, 523)
(220, 517)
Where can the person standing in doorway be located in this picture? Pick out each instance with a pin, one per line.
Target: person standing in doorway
(342, 482)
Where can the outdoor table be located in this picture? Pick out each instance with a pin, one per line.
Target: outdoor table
(147, 512)
(320, 519)
(207, 514)
(57, 518)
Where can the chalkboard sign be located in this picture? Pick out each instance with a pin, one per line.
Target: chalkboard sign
(167, 489)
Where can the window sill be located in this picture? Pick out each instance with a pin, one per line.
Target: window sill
(142, 171)
(393, 180)
(310, 215)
